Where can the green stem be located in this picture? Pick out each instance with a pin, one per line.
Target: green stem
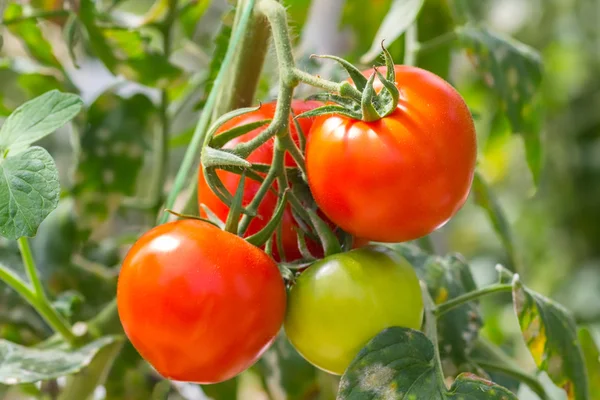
(411, 45)
(199, 137)
(41, 305)
(431, 330)
(36, 15)
(243, 73)
(443, 308)
(436, 42)
(30, 268)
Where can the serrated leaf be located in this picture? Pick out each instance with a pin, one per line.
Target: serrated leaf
(19, 364)
(29, 191)
(401, 15)
(31, 36)
(38, 118)
(591, 352)
(399, 364)
(550, 334)
(485, 198)
(285, 371)
(446, 278)
(514, 72)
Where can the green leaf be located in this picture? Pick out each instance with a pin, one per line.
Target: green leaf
(30, 34)
(402, 14)
(19, 364)
(514, 72)
(29, 191)
(285, 371)
(591, 353)
(38, 118)
(83, 384)
(446, 278)
(191, 14)
(550, 334)
(220, 158)
(399, 363)
(486, 199)
(222, 390)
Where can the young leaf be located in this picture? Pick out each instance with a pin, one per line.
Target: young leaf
(401, 15)
(399, 363)
(30, 34)
(550, 333)
(29, 191)
(485, 198)
(19, 364)
(514, 72)
(591, 352)
(38, 118)
(446, 278)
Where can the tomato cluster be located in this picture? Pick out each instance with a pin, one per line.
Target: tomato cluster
(202, 304)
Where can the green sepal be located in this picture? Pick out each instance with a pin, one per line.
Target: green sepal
(212, 217)
(235, 211)
(222, 138)
(394, 93)
(369, 112)
(346, 102)
(304, 251)
(357, 77)
(218, 188)
(316, 112)
(261, 237)
(326, 236)
(196, 217)
(219, 158)
(227, 117)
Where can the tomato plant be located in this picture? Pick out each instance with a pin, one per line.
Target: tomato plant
(422, 155)
(200, 304)
(341, 302)
(188, 233)
(262, 155)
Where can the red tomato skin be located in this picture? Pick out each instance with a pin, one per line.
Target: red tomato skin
(198, 303)
(263, 155)
(402, 177)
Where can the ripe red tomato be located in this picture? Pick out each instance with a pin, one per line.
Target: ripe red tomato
(263, 155)
(198, 303)
(401, 177)
(341, 302)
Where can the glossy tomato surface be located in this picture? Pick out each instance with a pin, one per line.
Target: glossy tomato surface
(401, 177)
(198, 303)
(262, 155)
(341, 302)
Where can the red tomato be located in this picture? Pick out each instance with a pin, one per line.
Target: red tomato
(198, 303)
(401, 177)
(263, 155)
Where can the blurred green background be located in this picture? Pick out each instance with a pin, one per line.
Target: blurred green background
(556, 225)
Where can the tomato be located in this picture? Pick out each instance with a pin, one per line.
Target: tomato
(403, 176)
(263, 155)
(341, 302)
(198, 303)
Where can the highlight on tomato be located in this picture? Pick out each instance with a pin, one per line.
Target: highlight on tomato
(399, 177)
(198, 303)
(341, 302)
(262, 155)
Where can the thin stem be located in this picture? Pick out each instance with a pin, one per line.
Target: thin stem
(36, 15)
(411, 44)
(199, 137)
(30, 268)
(295, 152)
(436, 42)
(443, 308)
(41, 305)
(163, 142)
(527, 379)
(431, 330)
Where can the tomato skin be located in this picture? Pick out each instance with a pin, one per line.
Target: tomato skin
(198, 303)
(263, 155)
(401, 177)
(341, 302)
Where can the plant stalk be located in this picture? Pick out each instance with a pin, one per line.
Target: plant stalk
(443, 308)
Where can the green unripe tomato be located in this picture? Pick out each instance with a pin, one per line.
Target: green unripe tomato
(341, 302)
